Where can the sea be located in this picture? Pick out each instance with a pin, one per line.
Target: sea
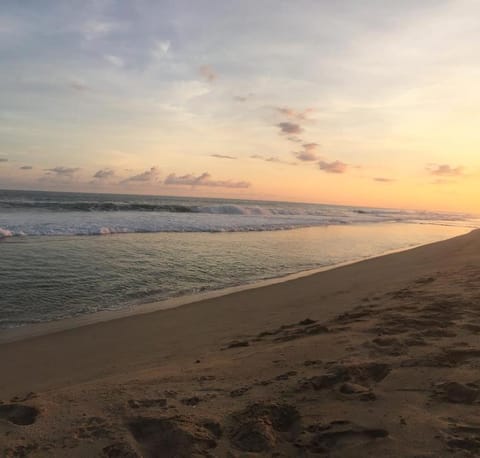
(65, 255)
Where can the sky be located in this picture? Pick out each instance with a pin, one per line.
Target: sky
(372, 103)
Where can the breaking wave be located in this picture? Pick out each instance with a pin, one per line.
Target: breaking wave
(40, 213)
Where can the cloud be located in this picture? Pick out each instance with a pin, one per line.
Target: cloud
(26, 167)
(208, 73)
(383, 180)
(271, 159)
(204, 179)
(104, 174)
(243, 98)
(97, 29)
(295, 114)
(161, 48)
(445, 170)
(294, 139)
(3, 159)
(144, 177)
(308, 154)
(333, 167)
(289, 128)
(78, 86)
(67, 172)
(114, 60)
(223, 156)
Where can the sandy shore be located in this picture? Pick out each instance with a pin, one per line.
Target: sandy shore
(379, 358)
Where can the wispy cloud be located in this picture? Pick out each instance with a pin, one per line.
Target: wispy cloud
(274, 159)
(243, 98)
(223, 156)
(208, 73)
(116, 61)
(104, 174)
(26, 167)
(161, 49)
(298, 115)
(78, 86)
(294, 139)
(149, 176)
(289, 128)
(94, 29)
(205, 179)
(3, 159)
(383, 180)
(445, 170)
(333, 167)
(67, 172)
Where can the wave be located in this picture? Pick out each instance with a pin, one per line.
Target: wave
(39, 213)
(103, 228)
(229, 209)
(153, 207)
(95, 206)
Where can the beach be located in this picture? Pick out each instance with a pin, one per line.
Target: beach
(238, 231)
(377, 358)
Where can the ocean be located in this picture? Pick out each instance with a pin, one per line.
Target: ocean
(69, 254)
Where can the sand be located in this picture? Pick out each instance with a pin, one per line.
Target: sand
(378, 358)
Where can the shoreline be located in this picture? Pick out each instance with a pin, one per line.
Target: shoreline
(15, 334)
(375, 358)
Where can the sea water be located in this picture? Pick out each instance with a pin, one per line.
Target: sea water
(69, 254)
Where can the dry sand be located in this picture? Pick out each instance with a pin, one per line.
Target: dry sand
(376, 359)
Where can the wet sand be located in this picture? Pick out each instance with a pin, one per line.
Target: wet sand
(378, 358)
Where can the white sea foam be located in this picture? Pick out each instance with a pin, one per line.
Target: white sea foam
(103, 223)
(34, 213)
(5, 233)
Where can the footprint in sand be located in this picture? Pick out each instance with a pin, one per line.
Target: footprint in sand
(147, 403)
(388, 345)
(24, 397)
(239, 391)
(119, 450)
(260, 426)
(304, 328)
(472, 327)
(18, 414)
(94, 428)
(238, 344)
(358, 314)
(465, 437)
(177, 436)
(361, 373)
(451, 357)
(458, 393)
(341, 434)
(193, 401)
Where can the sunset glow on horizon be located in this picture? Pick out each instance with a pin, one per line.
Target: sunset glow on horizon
(353, 103)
